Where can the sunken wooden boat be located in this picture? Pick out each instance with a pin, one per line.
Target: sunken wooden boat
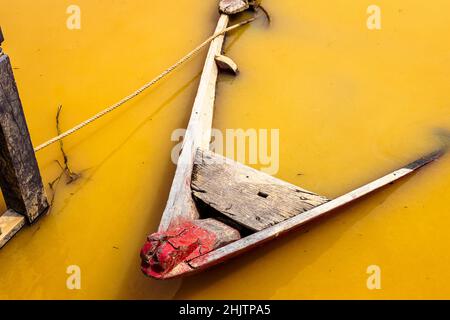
(218, 208)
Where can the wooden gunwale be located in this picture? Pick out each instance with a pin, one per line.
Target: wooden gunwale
(180, 205)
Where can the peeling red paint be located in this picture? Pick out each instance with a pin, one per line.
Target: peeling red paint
(164, 251)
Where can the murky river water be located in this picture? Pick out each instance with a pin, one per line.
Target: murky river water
(350, 104)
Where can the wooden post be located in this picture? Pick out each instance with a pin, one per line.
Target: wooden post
(20, 179)
(180, 205)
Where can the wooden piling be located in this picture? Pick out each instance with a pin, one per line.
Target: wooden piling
(20, 179)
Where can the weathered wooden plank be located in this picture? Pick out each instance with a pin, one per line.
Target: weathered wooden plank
(10, 223)
(247, 196)
(20, 179)
(180, 206)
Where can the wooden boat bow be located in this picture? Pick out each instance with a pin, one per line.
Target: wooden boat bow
(218, 208)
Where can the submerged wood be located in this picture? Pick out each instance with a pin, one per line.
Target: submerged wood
(180, 205)
(247, 196)
(20, 179)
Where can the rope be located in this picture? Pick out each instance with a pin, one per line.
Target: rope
(144, 87)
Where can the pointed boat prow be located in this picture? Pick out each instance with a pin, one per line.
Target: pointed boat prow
(218, 208)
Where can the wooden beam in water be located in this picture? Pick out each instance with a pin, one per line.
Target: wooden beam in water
(20, 179)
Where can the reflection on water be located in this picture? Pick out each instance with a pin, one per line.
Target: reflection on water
(351, 104)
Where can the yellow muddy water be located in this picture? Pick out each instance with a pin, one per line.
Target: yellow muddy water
(350, 104)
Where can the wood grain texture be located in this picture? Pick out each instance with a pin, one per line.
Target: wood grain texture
(180, 205)
(247, 196)
(10, 223)
(20, 179)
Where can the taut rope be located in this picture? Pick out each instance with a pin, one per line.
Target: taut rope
(143, 88)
